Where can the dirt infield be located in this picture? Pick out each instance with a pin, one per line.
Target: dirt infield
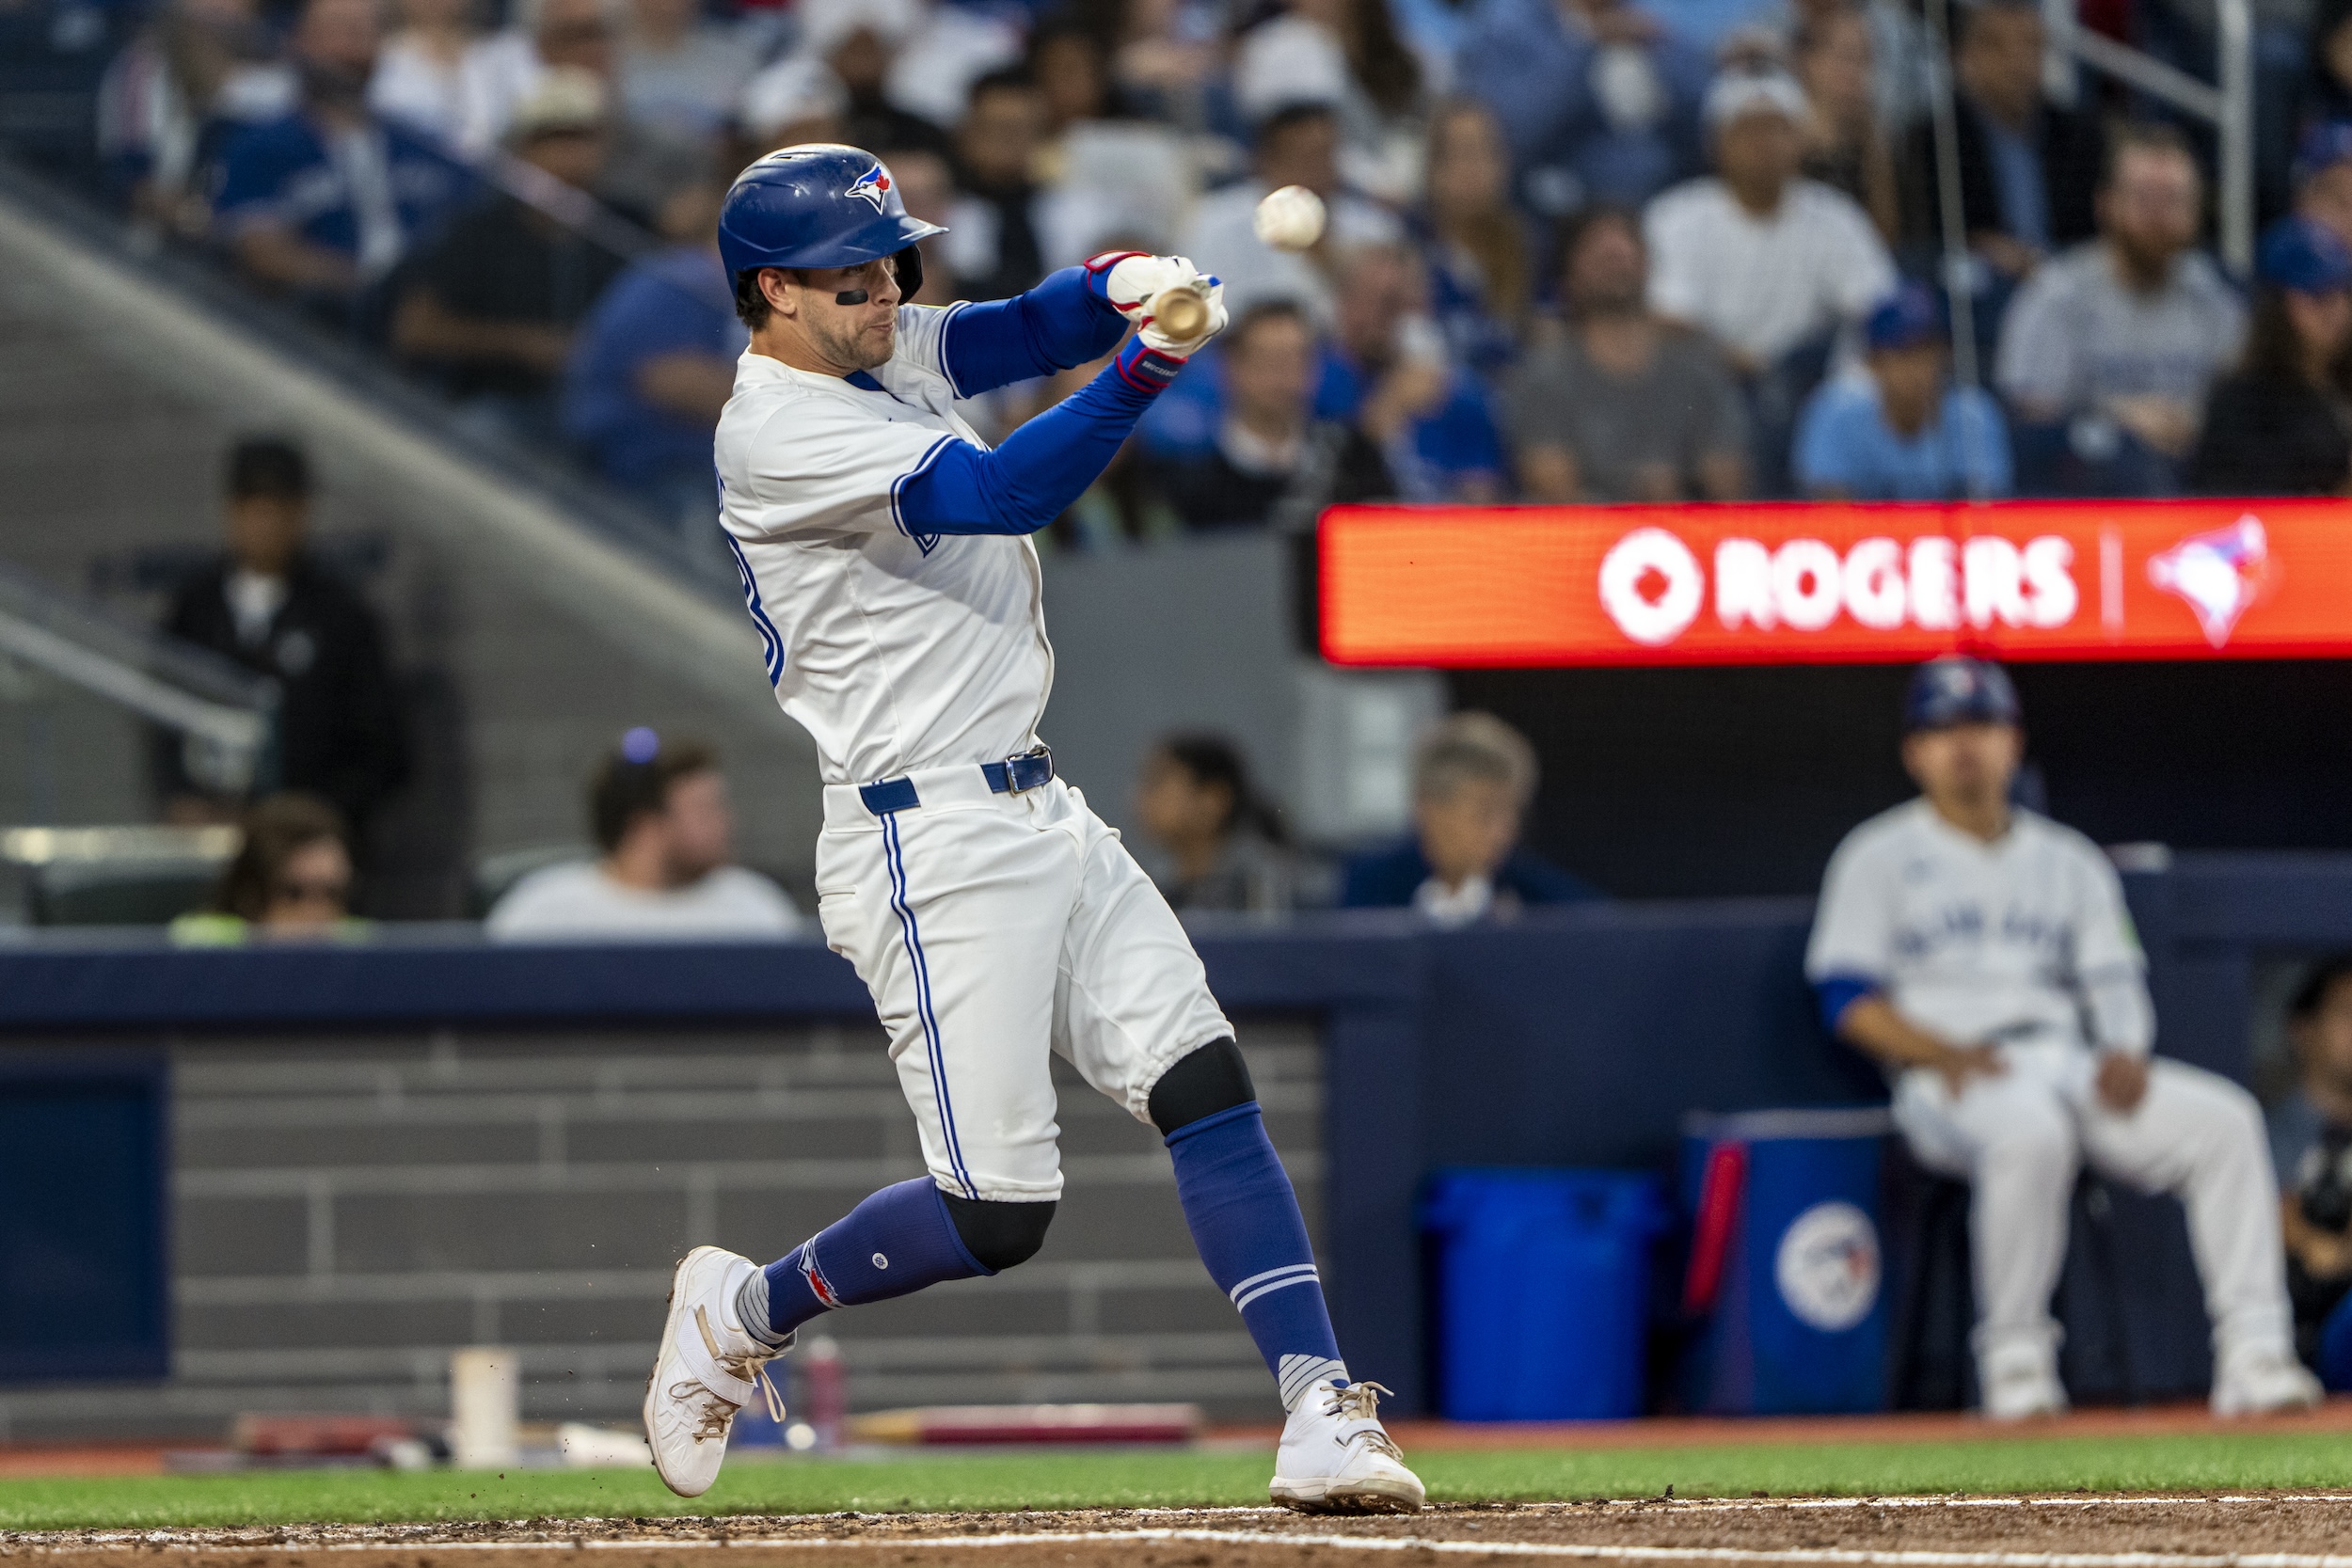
(2262, 1531)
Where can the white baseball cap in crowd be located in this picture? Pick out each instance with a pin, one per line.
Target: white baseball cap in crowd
(1738, 94)
(565, 99)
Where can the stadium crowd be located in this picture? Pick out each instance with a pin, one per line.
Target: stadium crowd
(1595, 250)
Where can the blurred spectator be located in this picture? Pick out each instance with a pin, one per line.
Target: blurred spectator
(2311, 1149)
(1900, 431)
(290, 877)
(1345, 54)
(1764, 261)
(1103, 176)
(1629, 406)
(2029, 168)
(1474, 240)
(1225, 847)
(325, 202)
(2323, 176)
(440, 76)
(2275, 426)
(929, 192)
(1296, 146)
(860, 40)
(992, 239)
(1844, 147)
(267, 606)
(653, 364)
(1072, 76)
(1163, 58)
(659, 812)
(1272, 462)
(1898, 54)
(2327, 85)
(1600, 101)
(197, 72)
(2111, 346)
(645, 165)
(1982, 953)
(1386, 370)
(796, 99)
(491, 303)
(1472, 779)
(1771, 265)
(680, 72)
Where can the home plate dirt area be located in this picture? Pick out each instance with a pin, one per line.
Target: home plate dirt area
(2232, 1530)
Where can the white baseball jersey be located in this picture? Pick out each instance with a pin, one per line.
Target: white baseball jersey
(2024, 940)
(894, 652)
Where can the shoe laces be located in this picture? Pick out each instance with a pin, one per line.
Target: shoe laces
(714, 1413)
(1360, 1402)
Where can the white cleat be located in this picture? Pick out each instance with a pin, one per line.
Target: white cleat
(1336, 1458)
(2264, 1383)
(708, 1370)
(2018, 1379)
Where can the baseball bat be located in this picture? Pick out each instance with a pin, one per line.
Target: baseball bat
(1181, 313)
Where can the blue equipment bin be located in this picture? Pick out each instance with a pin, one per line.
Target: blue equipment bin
(1787, 1202)
(1543, 1291)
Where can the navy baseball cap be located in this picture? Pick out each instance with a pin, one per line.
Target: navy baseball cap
(2323, 146)
(2304, 254)
(1905, 319)
(1958, 691)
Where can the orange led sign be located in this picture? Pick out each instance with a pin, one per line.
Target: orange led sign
(1834, 583)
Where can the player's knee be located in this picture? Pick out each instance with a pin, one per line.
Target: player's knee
(999, 1235)
(1212, 1079)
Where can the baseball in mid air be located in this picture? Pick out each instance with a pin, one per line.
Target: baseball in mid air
(1290, 218)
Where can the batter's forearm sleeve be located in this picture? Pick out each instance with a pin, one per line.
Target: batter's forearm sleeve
(2123, 1018)
(1043, 466)
(1065, 320)
(1837, 992)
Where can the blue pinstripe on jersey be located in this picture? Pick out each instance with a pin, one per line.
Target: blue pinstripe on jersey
(771, 644)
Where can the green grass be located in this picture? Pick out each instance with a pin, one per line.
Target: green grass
(1006, 1481)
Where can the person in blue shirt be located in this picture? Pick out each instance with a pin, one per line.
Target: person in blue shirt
(1902, 430)
(323, 202)
(1388, 370)
(1472, 779)
(1598, 98)
(652, 366)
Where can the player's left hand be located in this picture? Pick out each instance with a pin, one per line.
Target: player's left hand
(2122, 1081)
(1130, 281)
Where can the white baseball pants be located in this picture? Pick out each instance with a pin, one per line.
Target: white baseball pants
(991, 929)
(2019, 1138)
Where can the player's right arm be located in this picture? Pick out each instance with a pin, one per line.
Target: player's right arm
(1850, 957)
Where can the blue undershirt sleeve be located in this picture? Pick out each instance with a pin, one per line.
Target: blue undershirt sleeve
(1065, 320)
(1839, 992)
(1043, 467)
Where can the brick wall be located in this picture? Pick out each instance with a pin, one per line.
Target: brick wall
(350, 1209)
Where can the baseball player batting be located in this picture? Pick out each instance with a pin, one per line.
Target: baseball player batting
(885, 555)
(1983, 955)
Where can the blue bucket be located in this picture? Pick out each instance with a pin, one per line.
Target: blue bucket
(1543, 1292)
(1787, 1262)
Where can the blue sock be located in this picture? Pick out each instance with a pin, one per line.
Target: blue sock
(893, 1243)
(1245, 1223)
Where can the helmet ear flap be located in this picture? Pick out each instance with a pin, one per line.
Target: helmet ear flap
(907, 266)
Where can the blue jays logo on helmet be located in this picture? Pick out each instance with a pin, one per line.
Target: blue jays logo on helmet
(873, 185)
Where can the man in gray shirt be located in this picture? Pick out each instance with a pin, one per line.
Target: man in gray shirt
(2120, 335)
(1629, 406)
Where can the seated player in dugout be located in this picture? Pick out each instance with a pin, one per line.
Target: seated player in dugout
(1981, 953)
(2311, 1149)
(885, 559)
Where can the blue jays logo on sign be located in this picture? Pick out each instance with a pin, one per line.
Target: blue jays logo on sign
(873, 185)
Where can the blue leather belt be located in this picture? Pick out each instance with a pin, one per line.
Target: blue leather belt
(1030, 770)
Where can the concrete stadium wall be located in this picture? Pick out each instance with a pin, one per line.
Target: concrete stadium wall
(348, 1209)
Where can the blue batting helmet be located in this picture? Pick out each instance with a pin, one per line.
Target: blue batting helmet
(816, 205)
(1957, 689)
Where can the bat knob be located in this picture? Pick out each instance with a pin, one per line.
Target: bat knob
(1180, 314)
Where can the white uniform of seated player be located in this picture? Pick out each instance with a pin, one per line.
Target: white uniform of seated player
(659, 812)
(1982, 953)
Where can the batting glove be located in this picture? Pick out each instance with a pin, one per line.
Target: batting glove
(1130, 281)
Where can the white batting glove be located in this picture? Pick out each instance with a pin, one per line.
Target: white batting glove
(1131, 281)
